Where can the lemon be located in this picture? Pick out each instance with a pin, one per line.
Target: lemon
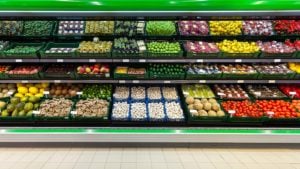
(39, 95)
(19, 95)
(42, 90)
(22, 90)
(33, 90)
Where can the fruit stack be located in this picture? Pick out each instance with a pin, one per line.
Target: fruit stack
(193, 28)
(276, 49)
(229, 92)
(274, 71)
(71, 27)
(201, 49)
(94, 49)
(246, 110)
(265, 92)
(198, 91)
(234, 48)
(64, 90)
(166, 71)
(130, 28)
(97, 70)
(59, 71)
(277, 109)
(25, 72)
(7, 90)
(3, 71)
(124, 72)
(27, 90)
(164, 49)
(287, 27)
(238, 71)
(259, 28)
(99, 27)
(203, 71)
(225, 27)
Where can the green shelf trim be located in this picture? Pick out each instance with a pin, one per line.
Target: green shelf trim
(147, 5)
(152, 131)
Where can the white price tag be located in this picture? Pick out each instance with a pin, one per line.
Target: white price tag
(277, 60)
(221, 94)
(240, 81)
(73, 112)
(10, 93)
(194, 112)
(135, 81)
(24, 81)
(57, 81)
(202, 81)
(107, 75)
(59, 60)
(125, 60)
(35, 112)
(92, 60)
(231, 111)
(238, 60)
(270, 113)
(199, 60)
(142, 60)
(19, 60)
(122, 81)
(257, 93)
(292, 93)
(272, 81)
(46, 92)
(79, 93)
(186, 93)
(167, 81)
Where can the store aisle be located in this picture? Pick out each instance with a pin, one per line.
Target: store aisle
(147, 158)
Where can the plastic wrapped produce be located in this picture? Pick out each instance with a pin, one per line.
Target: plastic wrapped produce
(203, 69)
(120, 111)
(198, 91)
(193, 28)
(94, 47)
(237, 69)
(138, 111)
(265, 92)
(275, 47)
(138, 93)
(174, 111)
(129, 28)
(129, 46)
(156, 111)
(121, 92)
(154, 93)
(273, 69)
(170, 93)
(259, 27)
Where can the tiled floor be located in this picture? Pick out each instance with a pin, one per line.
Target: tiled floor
(148, 158)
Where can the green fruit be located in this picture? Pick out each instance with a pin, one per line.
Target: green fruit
(15, 100)
(20, 106)
(14, 113)
(2, 105)
(29, 113)
(36, 106)
(24, 99)
(33, 99)
(22, 113)
(28, 107)
(10, 108)
(4, 113)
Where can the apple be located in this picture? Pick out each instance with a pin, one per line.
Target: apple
(88, 70)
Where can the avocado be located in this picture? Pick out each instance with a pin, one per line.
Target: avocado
(29, 113)
(15, 100)
(10, 108)
(14, 113)
(4, 113)
(33, 99)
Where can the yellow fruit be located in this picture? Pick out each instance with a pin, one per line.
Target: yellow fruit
(39, 95)
(28, 94)
(45, 85)
(33, 90)
(38, 85)
(29, 85)
(42, 90)
(19, 95)
(20, 84)
(22, 90)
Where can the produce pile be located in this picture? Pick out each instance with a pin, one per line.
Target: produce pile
(243, 109)
(38, 28)
(235, 46)
(198, 91)
(273, 69)
(232, 91)
(131, 71)
(163, 47)
(94, 47)
(138, 103)
(60, 50)
(291, 90)
(287, 27)
(129, 28)
(94, 69)
(25, 70)
(160, 28)
(91, 108)
(64, 90)
(11, 28)
(57, 107)
(3, 45)
(225, 27)
(275, 47)
(97, 91)
(129, 46)
(71, 27)
(4, 68)
(277, 108)
(203, 69)
(261, 27)
(295, 44)
(237, 69)
(28, 90)
(166, 70)
(294, 67)
(66, 69)
(265, 92)
(194, 28)
(22, 49)
(7, 90)
(201, 47)
(17, 107)
(99, 27)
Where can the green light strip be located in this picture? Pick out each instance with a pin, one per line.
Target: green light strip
(151, 131)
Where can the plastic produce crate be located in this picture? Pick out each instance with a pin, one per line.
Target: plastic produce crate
(23, 55)
(116, 54)
(165, 55)
(167, 76)
(93, 55)
(92, 76)
(203, 55)
(204, 76)
(239, 76)
(130, 76)
(276, 76)
(45, 75)
(58, 55)
(24, 76)
(278, 55)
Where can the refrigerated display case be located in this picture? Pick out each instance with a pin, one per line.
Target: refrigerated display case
(150, 71)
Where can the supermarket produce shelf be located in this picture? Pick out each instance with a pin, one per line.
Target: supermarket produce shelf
(183, 60)
(155, 81)
(149, 135)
